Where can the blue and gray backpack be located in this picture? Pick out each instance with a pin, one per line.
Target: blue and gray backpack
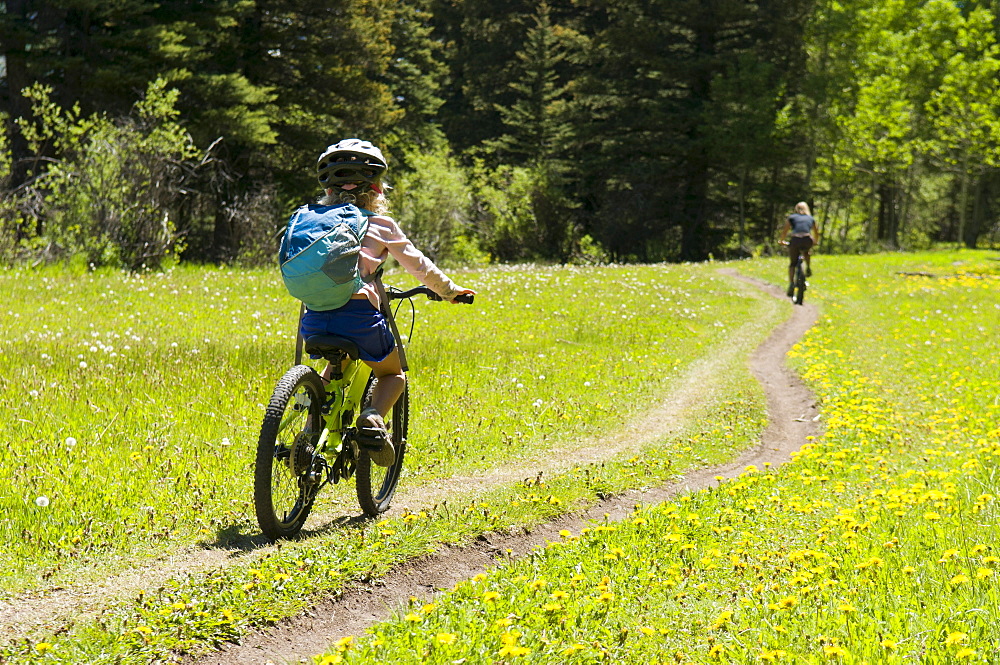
(319, 254)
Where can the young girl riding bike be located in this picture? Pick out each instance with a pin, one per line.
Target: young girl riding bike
(350, 171)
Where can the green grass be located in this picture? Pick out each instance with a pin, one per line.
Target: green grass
(129, 397)
(146, 449)
(877, 544)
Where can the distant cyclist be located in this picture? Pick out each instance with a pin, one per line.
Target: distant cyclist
(802, 227)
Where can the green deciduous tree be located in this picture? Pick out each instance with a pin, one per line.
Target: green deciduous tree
(964, 109)
(112, 187)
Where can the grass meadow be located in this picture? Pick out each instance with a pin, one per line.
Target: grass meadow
(132, 405)
(878, 543)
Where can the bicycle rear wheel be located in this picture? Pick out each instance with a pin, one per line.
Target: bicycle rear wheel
(285, 483)
(800, 283)
(375, 484)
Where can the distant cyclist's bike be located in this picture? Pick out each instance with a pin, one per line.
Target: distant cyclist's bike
(308, 438)
(798, 287)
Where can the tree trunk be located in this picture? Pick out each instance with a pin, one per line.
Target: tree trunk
(17, 79)
(963, 203)
(870, 228)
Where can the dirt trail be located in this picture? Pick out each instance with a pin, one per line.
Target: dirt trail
(792, 416)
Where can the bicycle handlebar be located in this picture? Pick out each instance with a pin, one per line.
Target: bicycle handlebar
(465, 298)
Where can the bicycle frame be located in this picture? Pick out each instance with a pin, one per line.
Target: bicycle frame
(344, 397)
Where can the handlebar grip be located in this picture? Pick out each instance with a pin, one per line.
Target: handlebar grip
(465, 298)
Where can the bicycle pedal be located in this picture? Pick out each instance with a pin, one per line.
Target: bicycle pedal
(371, 438)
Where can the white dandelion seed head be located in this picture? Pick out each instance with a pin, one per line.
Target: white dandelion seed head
(42, 501)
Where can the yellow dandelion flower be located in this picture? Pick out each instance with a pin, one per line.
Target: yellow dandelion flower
(787, 602)
(537, 584)
(847, 608)
(984, 574)
(955, 638)
(558, 594)
(428, 608)
(43, 647)
(931, 516)
(716, 651)
(947, 555)
(565, 534)
(331, 659)
(572, 649)
(446, 638)
(511, 651)
(889, 644)
(723, 618)
(834, 651)
(490, 596)
(965, 653)
(414, 617)
(771, 655)
(873, 562)
(606, 597)
(961, 578)
(909, 570)
(344, 642)
(479, 578)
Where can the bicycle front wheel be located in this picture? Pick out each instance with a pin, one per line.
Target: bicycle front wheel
(376, 484)
(285, 481)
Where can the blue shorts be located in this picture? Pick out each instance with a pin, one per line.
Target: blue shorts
(357, 321)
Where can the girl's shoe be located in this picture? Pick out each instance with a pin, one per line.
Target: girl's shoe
(374, 439)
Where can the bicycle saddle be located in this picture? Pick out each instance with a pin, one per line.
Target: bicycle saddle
(326, 345)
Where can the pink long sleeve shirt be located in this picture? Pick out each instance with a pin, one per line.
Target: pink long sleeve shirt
(384, 239)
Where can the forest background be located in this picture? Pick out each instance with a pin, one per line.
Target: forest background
(137, 134)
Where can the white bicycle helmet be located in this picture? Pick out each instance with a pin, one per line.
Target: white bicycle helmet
(350, 162)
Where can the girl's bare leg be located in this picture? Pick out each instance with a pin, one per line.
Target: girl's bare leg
(391, 382)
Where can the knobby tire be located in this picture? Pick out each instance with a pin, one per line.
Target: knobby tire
(283, 493)
(800, 283)
(375, 484)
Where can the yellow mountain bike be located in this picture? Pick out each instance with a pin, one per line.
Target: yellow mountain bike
(308, 438)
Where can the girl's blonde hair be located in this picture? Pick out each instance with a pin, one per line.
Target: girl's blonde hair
(802, 208)
(369, 199)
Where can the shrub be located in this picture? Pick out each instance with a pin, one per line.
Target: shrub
(111, 187)
(432, 203)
